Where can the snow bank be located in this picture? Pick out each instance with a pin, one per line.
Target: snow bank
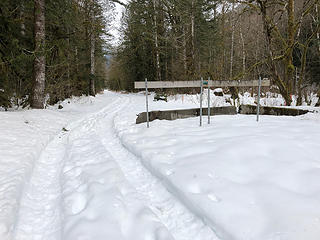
(247, 180)
(24, 135)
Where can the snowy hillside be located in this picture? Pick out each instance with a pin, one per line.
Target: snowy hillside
(87, 171)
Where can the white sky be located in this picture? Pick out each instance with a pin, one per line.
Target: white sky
(116, 24)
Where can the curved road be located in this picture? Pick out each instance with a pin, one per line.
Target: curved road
(83, 168)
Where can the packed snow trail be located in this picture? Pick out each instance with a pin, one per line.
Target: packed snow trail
(39, 213)
(39, 216)
(98, 202)
(24, 135)
(77, 188)
(177, 218)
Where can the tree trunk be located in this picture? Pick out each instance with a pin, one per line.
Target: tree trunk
(268, 33)
(92, 90)
(22, 26)
(92, 65)
(40, 59)
(223, 33)
(289, 68)
(243, 51)
(23, 34)
(233, 90)
(193, 38)
(184, 50)
(156, 41)
(318, 33)
(232, 41)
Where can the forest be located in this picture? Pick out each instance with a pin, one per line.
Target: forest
(51, 50)
(176, 40)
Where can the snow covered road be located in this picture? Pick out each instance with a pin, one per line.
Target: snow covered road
(89, 172)
(77, 189)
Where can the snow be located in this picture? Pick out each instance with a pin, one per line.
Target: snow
(247, 180)
(87, 171)
(97, 200)
(183, 101)
(24, 135)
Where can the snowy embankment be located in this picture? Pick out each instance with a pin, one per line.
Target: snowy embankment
(24, 135)
(246, 180)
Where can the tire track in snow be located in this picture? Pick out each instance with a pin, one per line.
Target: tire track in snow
(39, 214)
(179, 220)
(112, 202)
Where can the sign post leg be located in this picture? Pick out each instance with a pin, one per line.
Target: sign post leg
(147, 107)
(201, 92)
(209, 100)
(258, 103)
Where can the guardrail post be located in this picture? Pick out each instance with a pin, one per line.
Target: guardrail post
(209, 100)
(201, 92)
(147, 107)
(258, 103)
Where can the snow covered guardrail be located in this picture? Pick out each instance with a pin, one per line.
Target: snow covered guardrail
(277, 111)
(193, 84)
(184, 113)
(202, 84)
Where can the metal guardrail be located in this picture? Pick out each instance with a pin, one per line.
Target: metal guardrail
(201, 83)
(193, 84)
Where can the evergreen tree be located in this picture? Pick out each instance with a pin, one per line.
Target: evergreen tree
(62, 56)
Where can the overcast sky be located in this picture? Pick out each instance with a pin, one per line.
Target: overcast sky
(115, 31)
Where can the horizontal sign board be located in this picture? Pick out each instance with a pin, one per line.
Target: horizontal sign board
(193, 84)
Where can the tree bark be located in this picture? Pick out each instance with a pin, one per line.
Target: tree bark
(22, 26)
(318, 33)
(233, 90)
(232, 41)
(268, 34)
(243, 50)
(184, 50)
(40, 59)
(156, 41)
(223, 33)
(92, 90)
(193, 37)
(92, 64)
(289, 68)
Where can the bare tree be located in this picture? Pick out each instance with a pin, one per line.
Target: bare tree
(280, 43)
